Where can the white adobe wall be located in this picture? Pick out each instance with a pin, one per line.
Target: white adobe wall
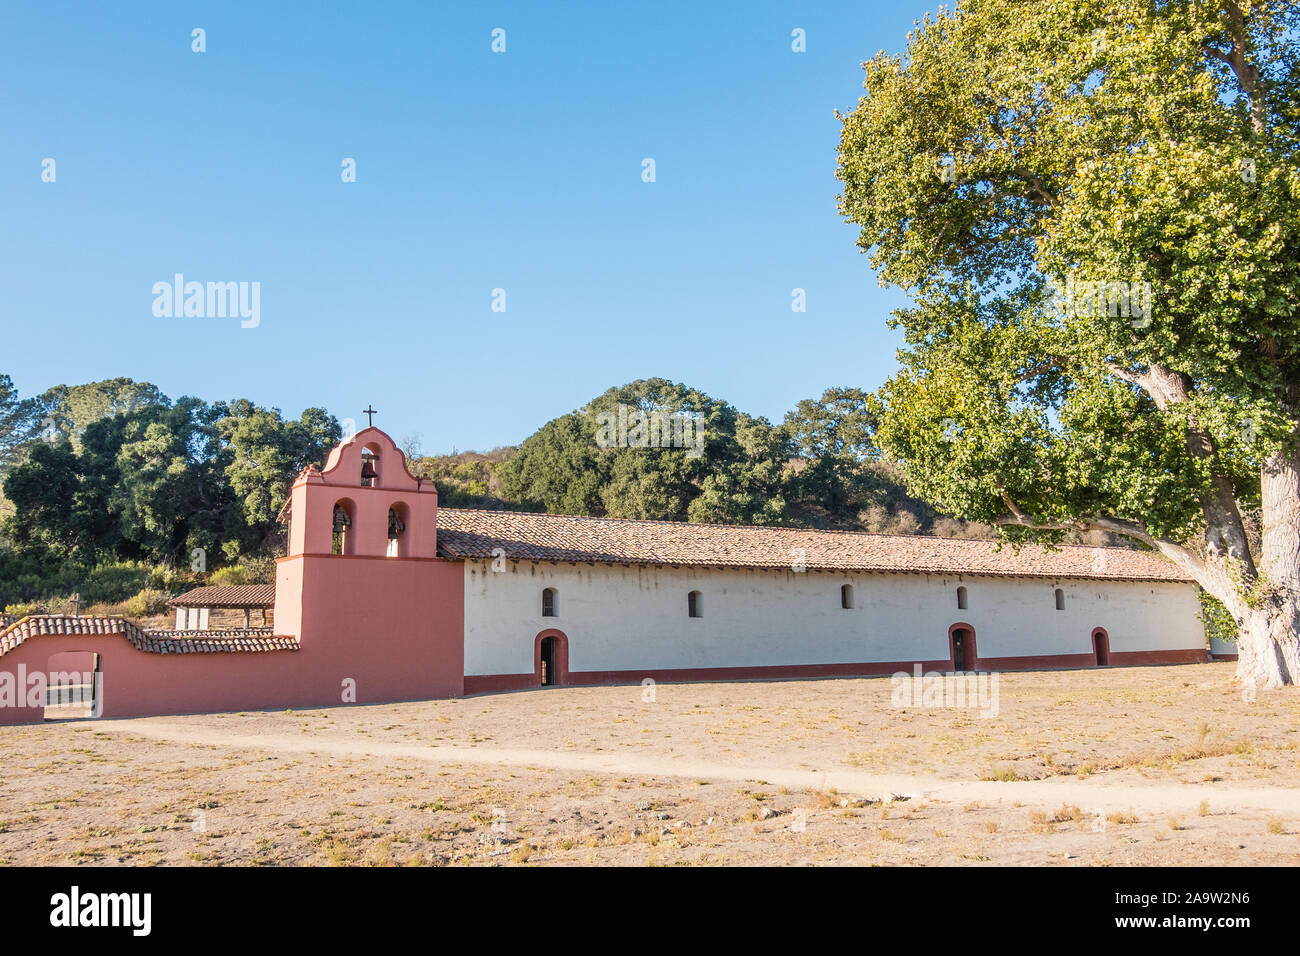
(630, 618)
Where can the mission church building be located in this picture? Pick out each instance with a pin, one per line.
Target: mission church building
(384, 596)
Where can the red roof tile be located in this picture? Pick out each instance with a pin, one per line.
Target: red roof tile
(151, 642)
(464, 533)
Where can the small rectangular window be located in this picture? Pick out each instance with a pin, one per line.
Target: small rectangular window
(693, 605)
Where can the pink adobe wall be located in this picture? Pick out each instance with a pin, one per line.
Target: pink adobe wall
(137, 683)
(395, 625)
(392, 625)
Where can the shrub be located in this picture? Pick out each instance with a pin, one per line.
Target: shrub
(23, 608)
(147, 603)
(172, 580)
(249, 571)
(114, 581)
(51, 605)
(108, 609)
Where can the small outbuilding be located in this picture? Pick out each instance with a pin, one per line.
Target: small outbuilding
(225, 607)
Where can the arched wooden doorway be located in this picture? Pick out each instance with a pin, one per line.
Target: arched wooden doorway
(961, 647)
(551, 658)
(1101, 646)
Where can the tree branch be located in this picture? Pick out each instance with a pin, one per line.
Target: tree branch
(1179, 554)
(1125, 375)
(1053, 364)
(1238, 59)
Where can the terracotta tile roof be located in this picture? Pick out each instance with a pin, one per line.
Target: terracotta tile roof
(221, 633)
(227, 595)
(151, 642)
(464, 533)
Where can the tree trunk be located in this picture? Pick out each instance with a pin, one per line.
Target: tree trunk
(1268, 647)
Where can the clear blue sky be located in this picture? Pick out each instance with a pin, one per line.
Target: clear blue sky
(475, 171)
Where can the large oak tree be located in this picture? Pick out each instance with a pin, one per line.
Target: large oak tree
(1022, 154)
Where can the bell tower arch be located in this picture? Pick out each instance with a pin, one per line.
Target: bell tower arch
(364, 499)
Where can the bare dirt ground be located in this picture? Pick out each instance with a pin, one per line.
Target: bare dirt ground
(1161, 765)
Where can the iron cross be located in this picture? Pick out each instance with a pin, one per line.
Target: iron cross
(370, 414)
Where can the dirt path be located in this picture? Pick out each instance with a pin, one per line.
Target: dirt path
(1050, 792)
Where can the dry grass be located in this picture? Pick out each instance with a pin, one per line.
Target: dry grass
(89, 793)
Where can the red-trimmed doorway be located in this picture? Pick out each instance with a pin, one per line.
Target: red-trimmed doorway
(1101, 646)
(961, 647)
(551, 658)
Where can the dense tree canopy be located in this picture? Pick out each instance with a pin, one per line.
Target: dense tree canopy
(67, 410)
(819, 468)
(264, 452)
(1096, 207)
(835, 435)
(128, 474)
(724, 473)
(18, 422)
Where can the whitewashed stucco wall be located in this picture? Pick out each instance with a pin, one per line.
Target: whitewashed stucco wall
(631, 618)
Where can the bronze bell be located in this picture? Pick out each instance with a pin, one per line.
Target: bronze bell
(368, 473)
(341, 519)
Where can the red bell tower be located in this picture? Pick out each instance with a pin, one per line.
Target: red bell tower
(364, 504)
(363, 577)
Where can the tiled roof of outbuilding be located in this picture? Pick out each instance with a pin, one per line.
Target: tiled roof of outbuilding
(227, 595)
(464, 533)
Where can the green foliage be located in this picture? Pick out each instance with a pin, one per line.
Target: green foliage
(132, 484)
(171, 495)
(18, 423)
(56, 510)
(257, 569)
(158, 480)
(263, 453)
(147, 603)
(1217, 620)
(840, 425)
(1017, 143)
(69, 410)
(820, 468)
(735, 470)
(465, 479)
(835, 436)
(42, 576)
